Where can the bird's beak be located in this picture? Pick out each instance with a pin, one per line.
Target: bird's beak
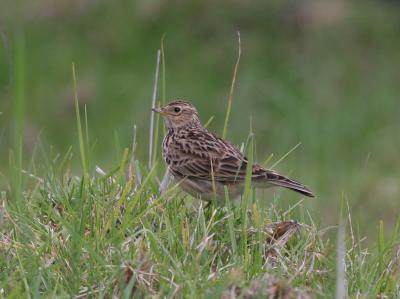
(158, 110)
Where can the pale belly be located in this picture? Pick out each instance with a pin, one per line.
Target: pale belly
(206, 190)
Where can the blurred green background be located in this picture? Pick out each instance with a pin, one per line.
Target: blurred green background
(323, 73)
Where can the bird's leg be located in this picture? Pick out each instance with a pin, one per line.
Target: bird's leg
(165, 182)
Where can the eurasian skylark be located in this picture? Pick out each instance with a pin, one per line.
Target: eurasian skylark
(203, 164)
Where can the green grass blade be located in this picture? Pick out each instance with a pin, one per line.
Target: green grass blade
(79, 125)
(381, 247)
(208, 122)
(285, 155)
(231, 227)
(246, 198)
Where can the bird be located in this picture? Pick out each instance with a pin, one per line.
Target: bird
(205, 165)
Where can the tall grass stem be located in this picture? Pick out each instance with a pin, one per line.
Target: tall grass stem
(230, 97)
(285, 155)
(153, 105)
(164, 89)
(82, 146)
(341, 284)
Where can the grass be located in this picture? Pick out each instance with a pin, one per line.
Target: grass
(68, 228)
(113, 234)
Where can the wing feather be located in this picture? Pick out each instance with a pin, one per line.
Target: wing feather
(207, 157)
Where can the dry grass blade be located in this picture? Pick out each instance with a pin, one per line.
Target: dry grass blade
(153, 105)
(341, 284)
(393, 267)
(391, 273)
(131, 167)
(230, 97)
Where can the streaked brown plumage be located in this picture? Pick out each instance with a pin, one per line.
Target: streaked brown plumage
(203, 163)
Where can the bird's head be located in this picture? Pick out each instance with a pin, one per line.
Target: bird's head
(178, 114)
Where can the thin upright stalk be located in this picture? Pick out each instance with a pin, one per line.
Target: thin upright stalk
(153, 105)
(230, 97)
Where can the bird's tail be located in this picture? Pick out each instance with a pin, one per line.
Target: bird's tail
(268, 178)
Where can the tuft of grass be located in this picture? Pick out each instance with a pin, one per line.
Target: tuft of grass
(123, 238)
(81, 137)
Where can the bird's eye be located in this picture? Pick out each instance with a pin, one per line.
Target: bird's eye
(177, 109)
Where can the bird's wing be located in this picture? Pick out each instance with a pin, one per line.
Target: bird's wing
(203, 155)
